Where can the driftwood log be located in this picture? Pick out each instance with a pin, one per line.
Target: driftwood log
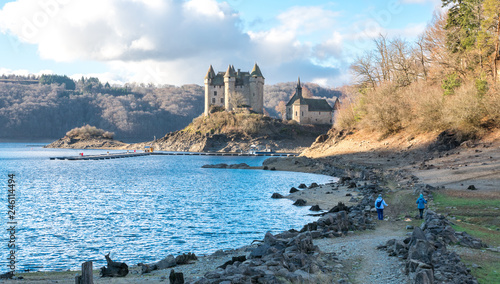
(114, 269)
(176, 277)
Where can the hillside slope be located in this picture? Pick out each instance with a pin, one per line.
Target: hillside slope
(228, 132)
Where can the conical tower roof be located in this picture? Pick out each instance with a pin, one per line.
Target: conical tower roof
(256, 71)
(230, 72)
(210, 73)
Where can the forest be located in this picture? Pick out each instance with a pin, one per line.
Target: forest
(447, 79)
(46, 107)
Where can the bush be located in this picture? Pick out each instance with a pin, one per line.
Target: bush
(88, 132)
(385, 109)
(464, 110)
(450, 83)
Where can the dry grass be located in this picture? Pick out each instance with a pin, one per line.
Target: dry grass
(422, 107)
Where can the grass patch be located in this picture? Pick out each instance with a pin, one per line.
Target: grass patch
(484, 266)
(477, 215)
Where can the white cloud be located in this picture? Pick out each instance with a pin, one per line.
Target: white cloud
(121, 30)
(174, 41)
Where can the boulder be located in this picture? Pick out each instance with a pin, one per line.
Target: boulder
(277, 196)
(315, 208)
(302, 186)
(293, 190)
(300, 202)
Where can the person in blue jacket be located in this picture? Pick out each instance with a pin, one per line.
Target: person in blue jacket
(421, 205)
(379, 205)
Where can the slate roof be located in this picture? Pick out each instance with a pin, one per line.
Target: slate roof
(317, 105)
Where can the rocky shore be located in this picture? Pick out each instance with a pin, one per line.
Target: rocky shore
(91, 143)
(340, 246)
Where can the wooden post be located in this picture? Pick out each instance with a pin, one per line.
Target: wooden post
(87, 277)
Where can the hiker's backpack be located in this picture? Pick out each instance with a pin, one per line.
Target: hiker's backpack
(379, 203)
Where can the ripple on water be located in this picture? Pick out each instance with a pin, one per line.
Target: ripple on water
(141, 209)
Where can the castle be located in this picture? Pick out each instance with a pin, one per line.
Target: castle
(309, 111)
(233, 89)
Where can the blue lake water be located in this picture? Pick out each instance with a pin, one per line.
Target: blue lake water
(140, 209)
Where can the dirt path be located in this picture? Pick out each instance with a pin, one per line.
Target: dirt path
(362, 261)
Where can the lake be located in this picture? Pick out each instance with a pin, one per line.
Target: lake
(140, 209)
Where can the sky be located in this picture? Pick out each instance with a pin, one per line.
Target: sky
(175, 41)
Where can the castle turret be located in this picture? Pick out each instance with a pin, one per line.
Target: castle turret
(229, 87)
(256, 98)
(208, 82)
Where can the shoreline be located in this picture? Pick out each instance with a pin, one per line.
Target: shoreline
(367, 168)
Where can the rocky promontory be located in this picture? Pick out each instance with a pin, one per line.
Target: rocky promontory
(237, 132)
(87, 137)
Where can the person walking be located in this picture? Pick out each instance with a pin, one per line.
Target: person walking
(379, 205)
(421, 205)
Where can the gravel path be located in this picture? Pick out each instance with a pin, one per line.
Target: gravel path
(362, 261)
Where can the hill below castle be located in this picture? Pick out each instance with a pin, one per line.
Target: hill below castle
(228, 132)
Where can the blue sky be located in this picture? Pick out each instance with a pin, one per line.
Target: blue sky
(174, 41)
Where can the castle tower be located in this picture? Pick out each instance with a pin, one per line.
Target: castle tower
(229, 87)
(208, 82)
(256, 94)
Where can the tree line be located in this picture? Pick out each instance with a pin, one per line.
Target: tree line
(446, 79)
(46, 107)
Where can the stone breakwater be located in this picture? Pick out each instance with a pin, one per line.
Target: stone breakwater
(427, 259)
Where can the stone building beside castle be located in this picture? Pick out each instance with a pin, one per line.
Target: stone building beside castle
(233, 89)
(309, 111)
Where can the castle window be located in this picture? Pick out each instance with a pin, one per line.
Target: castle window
(319, 112)
(221, 100)
(302, 114)
(254, 94)
(213, 100)
(295, 113)
(215, 93)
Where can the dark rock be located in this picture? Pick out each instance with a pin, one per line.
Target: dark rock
(315, 208)
(322, 138)
(277, 196)
(217, 166)
(471, 187)
(167, 262)
(302, 186)
(260, 251)
(265, 168)
(293, 190)
(185, 258)
(339, 207)
(351, 185)
(342, 180)
(300, 202)
(176, 277)
(272, 168)
(7, 275)
(313, 185)
(233, 260)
